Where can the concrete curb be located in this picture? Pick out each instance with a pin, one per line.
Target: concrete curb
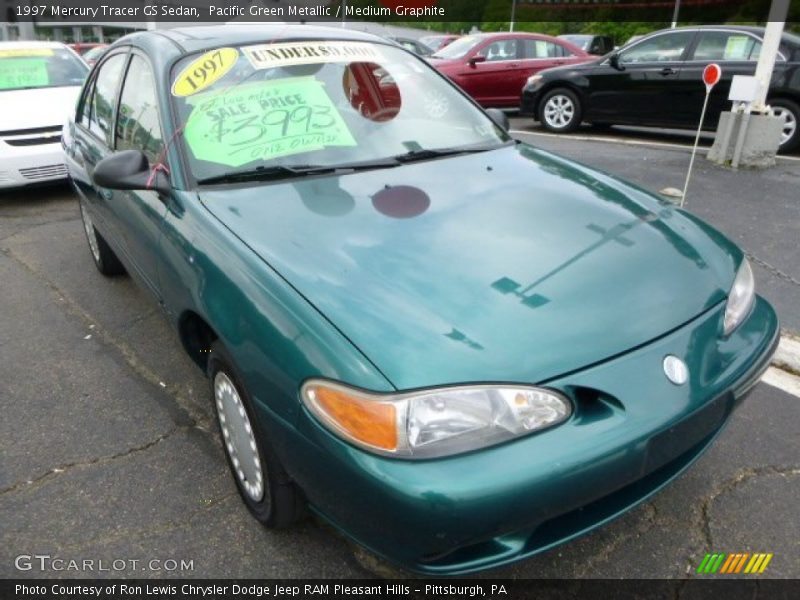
(787, 357)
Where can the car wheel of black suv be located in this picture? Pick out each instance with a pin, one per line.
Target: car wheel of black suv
(263, 483)
(560, 111)
(789, 111)
(104, 258)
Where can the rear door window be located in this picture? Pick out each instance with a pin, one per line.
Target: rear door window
(138, 126)
(726, 45)
(105, 96)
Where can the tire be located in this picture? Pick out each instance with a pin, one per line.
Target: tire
(560, 111)
(104, 258)
(262, 482)
(790, 110)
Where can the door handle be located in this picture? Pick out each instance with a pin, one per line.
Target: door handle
(668, 71)
(513, 65)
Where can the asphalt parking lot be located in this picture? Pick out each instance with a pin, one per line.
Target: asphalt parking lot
(108, 451)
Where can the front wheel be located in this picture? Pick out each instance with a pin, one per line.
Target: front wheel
(263, 484)
(560, 111)
(789, 111)
(104, 258)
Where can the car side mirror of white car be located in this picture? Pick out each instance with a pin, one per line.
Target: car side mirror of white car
(129, 170)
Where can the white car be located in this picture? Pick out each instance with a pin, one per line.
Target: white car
(39, 85)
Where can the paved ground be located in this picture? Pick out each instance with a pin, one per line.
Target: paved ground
(106, 450)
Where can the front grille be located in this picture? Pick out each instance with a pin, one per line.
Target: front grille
(31, 131)
(32, 137)
(45, 172)
(37, 141)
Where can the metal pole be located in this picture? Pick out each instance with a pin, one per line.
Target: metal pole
(769, 52)
(344, 11)
(675, 14)
(513, 14)
(694, 149)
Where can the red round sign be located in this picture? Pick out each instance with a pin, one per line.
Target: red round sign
(711, 75)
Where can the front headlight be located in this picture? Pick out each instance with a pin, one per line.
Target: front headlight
(433, 423)
(740, 298)
(533, 79)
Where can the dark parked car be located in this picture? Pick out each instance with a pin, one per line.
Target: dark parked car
(599, 45)
(415, 46)
(493, 67)
(656, 81)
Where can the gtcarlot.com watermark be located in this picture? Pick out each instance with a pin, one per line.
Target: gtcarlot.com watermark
(47, 562)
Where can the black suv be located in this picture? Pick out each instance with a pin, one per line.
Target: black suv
(657, 81)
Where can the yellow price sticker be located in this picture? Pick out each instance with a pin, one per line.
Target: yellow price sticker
(25, 52)
(204, 71)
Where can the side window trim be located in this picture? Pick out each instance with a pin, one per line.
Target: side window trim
(125, 50)
(88, 93)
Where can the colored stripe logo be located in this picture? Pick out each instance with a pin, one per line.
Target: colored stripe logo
(734, 563)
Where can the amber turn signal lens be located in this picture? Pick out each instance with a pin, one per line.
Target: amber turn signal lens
(367, 421)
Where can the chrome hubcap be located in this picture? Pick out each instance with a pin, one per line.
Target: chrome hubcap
(789, 122)
(238, 437)
(559, 111)
(88, 226)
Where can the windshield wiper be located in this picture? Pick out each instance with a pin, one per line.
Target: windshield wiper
(427, 154)
(292, 171)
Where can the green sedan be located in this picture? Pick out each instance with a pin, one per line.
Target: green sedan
(456, 348)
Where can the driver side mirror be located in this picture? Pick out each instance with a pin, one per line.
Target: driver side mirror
(499, 117)
(129, 170)
(476, 59)
(613, 60)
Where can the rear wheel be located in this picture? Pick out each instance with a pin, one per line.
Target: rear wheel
(789, 111)
(104, 258)
(560, 111)
(263, 484)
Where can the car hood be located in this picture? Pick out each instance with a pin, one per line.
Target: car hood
(43, 107)
(508, 265)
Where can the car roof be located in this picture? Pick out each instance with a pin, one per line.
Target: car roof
(787, 36)
(29, 45)
(192, 39)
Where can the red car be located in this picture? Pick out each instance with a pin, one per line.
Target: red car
(493, 67)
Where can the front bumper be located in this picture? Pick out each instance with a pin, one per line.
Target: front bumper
(631, 433)
(529, 100)
(31, 164)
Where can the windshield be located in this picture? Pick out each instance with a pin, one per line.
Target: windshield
(459, 48)
(581, 41)
(27, 68)
(318, 104)
(434, 42)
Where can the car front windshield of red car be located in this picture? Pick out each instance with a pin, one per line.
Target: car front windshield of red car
(295, 106)
(24, 68)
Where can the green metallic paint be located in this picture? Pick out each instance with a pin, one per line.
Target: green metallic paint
(629, 421)
(307, 279)
(596, 259)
